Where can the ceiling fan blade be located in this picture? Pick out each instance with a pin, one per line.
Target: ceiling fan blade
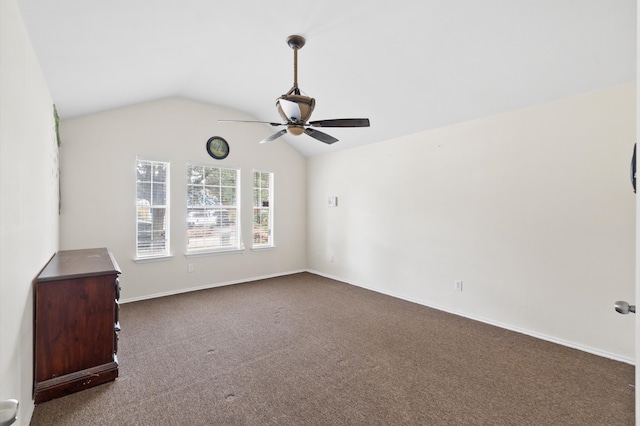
(274, 136)
(341, 122)
(322, 137)
(252, 121)
(291, 109)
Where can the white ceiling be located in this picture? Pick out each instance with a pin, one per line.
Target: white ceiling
(407, 65)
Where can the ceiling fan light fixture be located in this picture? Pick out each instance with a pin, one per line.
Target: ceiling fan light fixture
(295, 129)
(305, 105)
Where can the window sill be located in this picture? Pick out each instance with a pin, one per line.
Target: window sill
(263, 248)
(200, 253)
(152, 258)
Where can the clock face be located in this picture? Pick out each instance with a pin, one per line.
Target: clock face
(217, 147)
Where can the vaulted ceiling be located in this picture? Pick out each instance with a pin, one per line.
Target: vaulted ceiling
(407, 65)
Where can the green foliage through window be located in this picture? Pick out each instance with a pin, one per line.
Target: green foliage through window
(262, 209)
(152, 208)
(212, 208)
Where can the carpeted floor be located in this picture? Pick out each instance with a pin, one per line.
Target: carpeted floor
(306, 350)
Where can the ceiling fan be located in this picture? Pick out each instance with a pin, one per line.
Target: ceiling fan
(296, 108)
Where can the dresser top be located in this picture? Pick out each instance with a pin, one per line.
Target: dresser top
(79, 263)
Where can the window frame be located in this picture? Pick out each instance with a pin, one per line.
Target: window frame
(256, 201)
(151, 205)
(237, 244)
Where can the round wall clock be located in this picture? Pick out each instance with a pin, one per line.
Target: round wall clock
(217, 147)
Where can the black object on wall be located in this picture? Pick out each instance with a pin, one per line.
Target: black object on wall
(633, 168)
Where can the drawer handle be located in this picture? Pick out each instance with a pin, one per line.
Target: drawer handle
(118, 288)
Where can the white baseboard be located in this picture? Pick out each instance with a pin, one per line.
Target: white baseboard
(26, 420)
(488, 321)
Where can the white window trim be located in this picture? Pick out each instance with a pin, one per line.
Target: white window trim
(214, 252)
(272, 242)
(156, 256)
(263, 247)
(149, 259)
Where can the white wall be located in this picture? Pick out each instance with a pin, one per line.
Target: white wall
(637, 259)
(532, 209)
(29, 201)
(98, 179)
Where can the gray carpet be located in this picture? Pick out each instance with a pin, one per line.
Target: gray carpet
(306, 350)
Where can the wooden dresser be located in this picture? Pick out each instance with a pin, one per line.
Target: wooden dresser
(76, 323)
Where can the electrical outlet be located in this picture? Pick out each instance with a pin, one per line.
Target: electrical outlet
(191, 267)
(458, 285)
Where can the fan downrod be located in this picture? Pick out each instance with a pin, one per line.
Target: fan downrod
(296, 41)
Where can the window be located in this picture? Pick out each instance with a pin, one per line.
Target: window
(262, 209)
(152, 207)
(213, 216)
